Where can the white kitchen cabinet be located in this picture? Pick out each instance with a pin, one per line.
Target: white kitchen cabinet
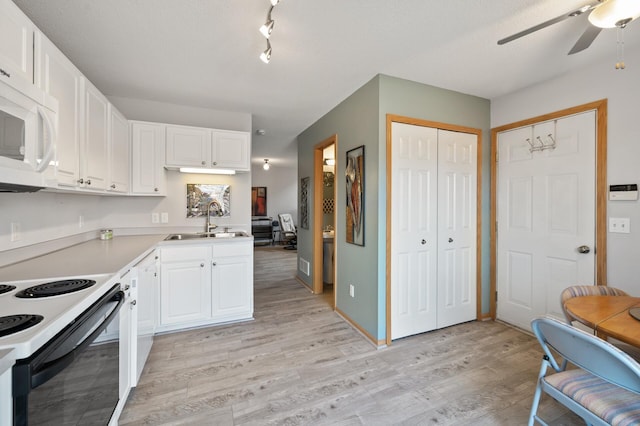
(205, 283)
(147, 158)
(119, 153)
(188, 146)
(58, 77)
(94, 149)
(232, 281)
(145, 284)
(16, 47)
(207, 148)
(231, 149)
(185, 285)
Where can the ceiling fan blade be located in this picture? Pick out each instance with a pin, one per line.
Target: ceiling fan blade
(585, 39)
(583, 9)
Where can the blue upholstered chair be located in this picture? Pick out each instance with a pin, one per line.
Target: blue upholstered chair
(597, 290)
(604, 389)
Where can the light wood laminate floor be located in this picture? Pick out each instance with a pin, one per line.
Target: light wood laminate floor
(299, 363)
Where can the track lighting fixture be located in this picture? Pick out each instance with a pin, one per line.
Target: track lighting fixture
(266, 164)
(266, 30)
(267, 27)
(266, 55)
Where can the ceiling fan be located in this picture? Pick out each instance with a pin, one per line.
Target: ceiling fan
(603, 14)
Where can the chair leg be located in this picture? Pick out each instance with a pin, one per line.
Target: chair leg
(536, 397)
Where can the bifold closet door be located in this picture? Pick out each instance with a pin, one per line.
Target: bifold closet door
(433, 229)
(413, 229)
(457, 227)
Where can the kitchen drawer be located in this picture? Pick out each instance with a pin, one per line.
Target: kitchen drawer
(186, 253)
(232, 249)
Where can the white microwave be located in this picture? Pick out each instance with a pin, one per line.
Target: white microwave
(27, 141)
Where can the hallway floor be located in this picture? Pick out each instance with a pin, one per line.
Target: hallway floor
(299, 363)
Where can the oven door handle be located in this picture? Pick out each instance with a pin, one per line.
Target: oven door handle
(50, 369)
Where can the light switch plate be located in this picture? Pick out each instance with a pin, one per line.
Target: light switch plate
(155, 217)
(164, 217)
(620, 225)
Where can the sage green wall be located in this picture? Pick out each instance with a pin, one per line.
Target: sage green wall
(361, 120)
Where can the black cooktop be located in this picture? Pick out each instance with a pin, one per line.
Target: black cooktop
(55, 288)
(14, 323)
(5, 288)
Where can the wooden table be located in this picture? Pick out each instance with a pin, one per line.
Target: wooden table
(607, 315)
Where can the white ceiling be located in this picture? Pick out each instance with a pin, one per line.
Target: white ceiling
(204, 53)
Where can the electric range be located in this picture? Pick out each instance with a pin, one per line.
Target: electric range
(29, 320)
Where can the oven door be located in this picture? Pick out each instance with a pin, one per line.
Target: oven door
(70, 379)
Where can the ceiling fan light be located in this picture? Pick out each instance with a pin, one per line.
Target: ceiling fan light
(274, 2)
(611, 12)
(266, 164)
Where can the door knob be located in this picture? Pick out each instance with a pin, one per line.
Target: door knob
(584, 249)
(423, 242)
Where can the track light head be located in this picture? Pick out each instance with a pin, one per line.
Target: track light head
(266, 55)
(266, 28)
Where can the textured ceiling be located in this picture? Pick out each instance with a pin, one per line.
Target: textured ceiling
(204, 53)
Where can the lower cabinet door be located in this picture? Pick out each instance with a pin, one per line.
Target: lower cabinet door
(232, 288)
(185, 291)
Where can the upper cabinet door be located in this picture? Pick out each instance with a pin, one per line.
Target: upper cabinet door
(16, 46)
(147, 158)
(119, 158)
(231, 150)
(94, 159)
(188, 146)
(58, 77)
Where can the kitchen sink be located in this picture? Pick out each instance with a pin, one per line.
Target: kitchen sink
(201, 235)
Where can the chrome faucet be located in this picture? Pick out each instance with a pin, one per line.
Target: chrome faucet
(217, 208)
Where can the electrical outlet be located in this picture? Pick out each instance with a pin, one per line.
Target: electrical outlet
(164, 217)
(155, 217)
(15, 231)
(351, 290)
(621, 225)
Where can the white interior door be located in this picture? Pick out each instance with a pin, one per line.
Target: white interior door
(413, 229)
(457, 226)
(546, 212)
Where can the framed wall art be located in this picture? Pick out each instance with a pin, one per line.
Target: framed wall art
(355, 196)
(258, 201)
(304, 203)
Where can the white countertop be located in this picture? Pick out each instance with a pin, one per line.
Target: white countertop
(88, 258)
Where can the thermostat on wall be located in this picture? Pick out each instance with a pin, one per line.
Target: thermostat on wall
(623, 192)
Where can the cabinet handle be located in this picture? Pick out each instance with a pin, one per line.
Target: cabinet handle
(156, 189)
(80, 181)
(215, 163)
(6, 74)
(423, 242)
(88, 181)
(213, 263)
(202, 265)
(126, 287)
(134, 302)
(113, 186)
(450, 240)
(204, 163)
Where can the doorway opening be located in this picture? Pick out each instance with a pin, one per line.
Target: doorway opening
(324, 219)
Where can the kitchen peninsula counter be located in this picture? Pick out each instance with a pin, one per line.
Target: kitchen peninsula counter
(87, 258)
